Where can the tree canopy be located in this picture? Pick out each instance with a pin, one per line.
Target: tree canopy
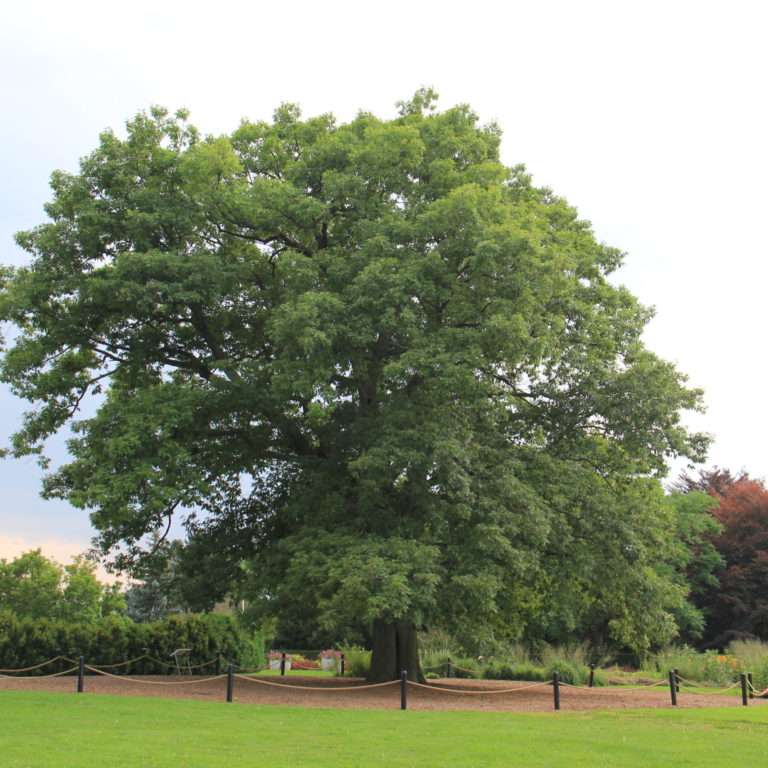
(381, 375)
(735, 606)
(33, 586)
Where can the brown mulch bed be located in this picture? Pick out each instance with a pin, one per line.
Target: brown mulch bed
(352, 694)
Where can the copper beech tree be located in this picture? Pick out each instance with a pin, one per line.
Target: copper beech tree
(736, 605)
(377, 373)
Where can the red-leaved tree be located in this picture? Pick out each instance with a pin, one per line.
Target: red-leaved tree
(739, 606)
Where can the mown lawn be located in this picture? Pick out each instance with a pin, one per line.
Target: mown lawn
(42, 730)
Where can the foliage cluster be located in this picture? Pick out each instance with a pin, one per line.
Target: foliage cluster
(36, 587)
(357, 660)
(26, 642)
(708, 667)
(738, 606)
(517, 662)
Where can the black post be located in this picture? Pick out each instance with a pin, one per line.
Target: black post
(282, 665)
(751, 686)
(672, 688)
(591, 675)
(449, 673)
(217, 668)
(677, 681)
(744, 697)
(341, 665)
(404, 689)
(230, 683)
(81, 675)
(556, 688)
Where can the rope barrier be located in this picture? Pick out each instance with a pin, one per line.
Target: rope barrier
(139, 658)
(121, 664)
(694, 684)
(37, 666)
(687, 689)
(325, 689)
(39, 677)
(471, 671)
(608, 689)
(153, 682)
(758, 693)
(689, 686)
(440, 689)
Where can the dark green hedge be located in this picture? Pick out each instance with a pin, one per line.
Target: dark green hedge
(26, 642)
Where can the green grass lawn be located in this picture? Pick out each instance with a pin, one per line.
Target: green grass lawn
(42, 730)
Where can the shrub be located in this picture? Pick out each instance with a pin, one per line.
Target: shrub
(25, 642)
(750, 653)
(571, 661)
(357, 661)
(497, 670)
(528, 671)
(570, 673)
(575, 654)
(437, 664)
(466, 667)
(760, 674)
(510, 670)
(709, 667)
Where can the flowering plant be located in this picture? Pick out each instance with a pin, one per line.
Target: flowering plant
(304, 664)
(329, 654)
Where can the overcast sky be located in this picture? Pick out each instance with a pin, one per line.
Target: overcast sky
(649, 117)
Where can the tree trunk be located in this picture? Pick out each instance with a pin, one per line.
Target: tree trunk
(395, 648)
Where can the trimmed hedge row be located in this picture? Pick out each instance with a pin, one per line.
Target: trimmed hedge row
(27, 642)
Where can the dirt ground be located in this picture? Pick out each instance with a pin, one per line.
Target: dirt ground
(485, 695)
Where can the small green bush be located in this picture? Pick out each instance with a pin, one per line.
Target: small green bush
(498, 670)
(507, 670)
(570, 673)
(357, 661)
(529, 672)
(465, 667)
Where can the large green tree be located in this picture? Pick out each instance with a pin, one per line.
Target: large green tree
(380, 373)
